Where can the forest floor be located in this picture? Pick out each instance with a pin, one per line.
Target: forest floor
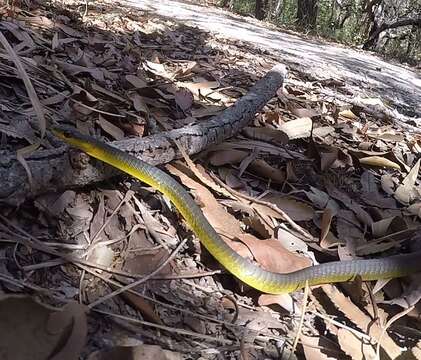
(364, 74)
(328, 170)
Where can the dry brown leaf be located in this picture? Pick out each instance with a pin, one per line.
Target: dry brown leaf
(388, 226)
(34, 331)
(358, 210)
(262, 169)
(359, 318)
(283, 300)
(28, 85)
(379, 162)
(108, 93)
(146, 262)
(411, 178)
(327, 217)
(223, 157)
(386, 135)
(296, 210)
(137, 82)
(157, 69)
(110, 128)
(73, 70)
(269, 252)
(297, 129)
(323, 131)
(355, 347)
(266, 252)
(290, 241)
(318, 348)
(348, 114)
(388, 184)
(20, 156)
(407, 192)
(303, 112)
(266, 134)
(371, 194)
(415, 209)
(184, 99)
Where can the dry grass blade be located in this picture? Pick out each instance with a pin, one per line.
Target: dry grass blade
(20, 156)
(300, 324)
(28, 85)
(166, 328)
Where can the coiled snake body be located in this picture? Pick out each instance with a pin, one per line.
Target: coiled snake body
(243, 269)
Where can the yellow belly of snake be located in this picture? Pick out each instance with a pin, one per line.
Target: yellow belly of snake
(243, 269)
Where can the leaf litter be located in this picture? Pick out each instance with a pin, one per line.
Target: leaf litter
(309, 181)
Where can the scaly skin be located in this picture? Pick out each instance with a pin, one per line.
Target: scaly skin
(243, 269)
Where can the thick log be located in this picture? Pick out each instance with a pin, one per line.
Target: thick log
(53, 170)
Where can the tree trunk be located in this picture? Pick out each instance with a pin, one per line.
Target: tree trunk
(307, 13)
(260, 11)
(279, 8)
(375, 32)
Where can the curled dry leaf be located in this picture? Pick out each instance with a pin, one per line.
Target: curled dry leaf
(110, 128)
(283, 300)
(224, 157)
(379, 162)
(387, 183)
(327, 217)
(261, 168)
(348, 114)
(266, 134)
(388, 226)
(415, 209)
(386, 135)
(407, 191)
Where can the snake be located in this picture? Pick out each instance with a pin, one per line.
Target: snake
(242, 268)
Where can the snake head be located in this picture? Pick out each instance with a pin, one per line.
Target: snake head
(72, 137)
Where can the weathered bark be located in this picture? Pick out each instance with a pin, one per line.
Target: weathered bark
(260, 9)
(374, 35)
(307, 13)
(52, 170)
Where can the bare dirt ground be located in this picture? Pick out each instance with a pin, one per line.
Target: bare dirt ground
(365, 74)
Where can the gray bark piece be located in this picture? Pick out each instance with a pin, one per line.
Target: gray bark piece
(52, 170)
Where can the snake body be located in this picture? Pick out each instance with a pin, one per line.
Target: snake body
(243, 269)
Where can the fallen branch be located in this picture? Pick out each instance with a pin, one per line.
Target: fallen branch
(52, 170)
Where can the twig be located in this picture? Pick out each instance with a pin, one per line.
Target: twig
(28, 85)
(388, 324)
(237, 311)
(93, 244)
(300, 324)
(275, 208)
(357, 333)
(166, 328)
(140, 281)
